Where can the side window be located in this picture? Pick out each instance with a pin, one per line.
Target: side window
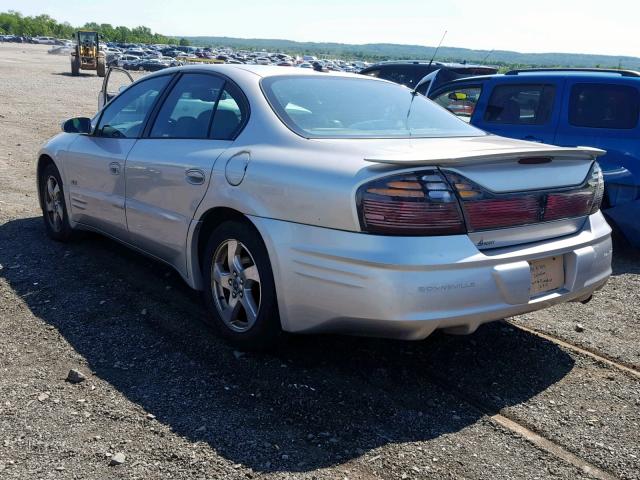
(461, 101)
(231, 114)
(520, 104)
(604, 106)
(124, 117)
(186, 113)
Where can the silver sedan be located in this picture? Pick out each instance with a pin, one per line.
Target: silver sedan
(303, 201)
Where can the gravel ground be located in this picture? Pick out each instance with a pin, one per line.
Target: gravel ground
(161, 390)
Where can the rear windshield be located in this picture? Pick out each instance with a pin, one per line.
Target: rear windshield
(322, 106)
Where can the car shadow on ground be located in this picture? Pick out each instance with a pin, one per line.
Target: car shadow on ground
(81, 74)
(317, 402)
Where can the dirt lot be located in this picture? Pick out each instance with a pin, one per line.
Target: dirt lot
(503, 403)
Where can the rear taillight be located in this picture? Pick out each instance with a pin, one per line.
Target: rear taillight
(434, 203)
(485, 210)
(420, 203)
(596, 182)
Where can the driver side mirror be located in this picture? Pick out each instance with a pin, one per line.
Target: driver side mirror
(77, 125)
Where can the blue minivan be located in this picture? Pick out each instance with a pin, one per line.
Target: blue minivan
(565, 107)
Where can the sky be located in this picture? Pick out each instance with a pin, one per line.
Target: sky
(573, 26)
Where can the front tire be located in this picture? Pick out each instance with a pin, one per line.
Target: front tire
(101, 69)
(75, 65)
(239, 287)
(54, 208)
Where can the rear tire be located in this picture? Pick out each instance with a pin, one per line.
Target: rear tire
(239, 290)
(54, 208)
(75, 65)
(101, 68)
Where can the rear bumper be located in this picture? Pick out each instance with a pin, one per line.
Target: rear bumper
(406, 287)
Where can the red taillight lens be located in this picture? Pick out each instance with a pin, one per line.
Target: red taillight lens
(571, 204)
(410, 204)
(497, 213)
(486, 210)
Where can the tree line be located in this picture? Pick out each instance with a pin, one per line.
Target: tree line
(14, 23)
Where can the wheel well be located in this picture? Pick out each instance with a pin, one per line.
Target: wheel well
(43, 162)
(211, 220)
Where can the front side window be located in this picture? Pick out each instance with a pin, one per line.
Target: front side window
(187, 111)
(460, 101)
(520, 104)
(124, 117)
(344, 107)
(604, 106)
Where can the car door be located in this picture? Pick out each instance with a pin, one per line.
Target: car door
(94, 164)
(115, 81)
(168, 171)
(604, 113)
(522, 108)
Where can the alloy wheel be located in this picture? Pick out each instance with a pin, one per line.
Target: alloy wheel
(235, 283)
(53, 204)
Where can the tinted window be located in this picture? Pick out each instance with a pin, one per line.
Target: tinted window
(404, 75)
(186, 113)
(230, 115)
(460, 101)
(520, 104)
(124, 117)
(604, 106)
(338, 107)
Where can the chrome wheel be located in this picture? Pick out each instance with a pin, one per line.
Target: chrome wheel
(235, 284)
(54, 204)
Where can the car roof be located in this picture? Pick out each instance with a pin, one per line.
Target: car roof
(262, 71)
(551, 73)
(427, 62)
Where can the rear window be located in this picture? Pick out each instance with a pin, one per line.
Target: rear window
(604, 106)
(520, 104)
(408, 75)
(324, 106)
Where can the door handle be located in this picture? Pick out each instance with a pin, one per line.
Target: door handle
(194, 176)
(114, 168)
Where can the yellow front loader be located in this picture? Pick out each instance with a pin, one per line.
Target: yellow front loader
(87, 54)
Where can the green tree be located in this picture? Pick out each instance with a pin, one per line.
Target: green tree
(184, 42)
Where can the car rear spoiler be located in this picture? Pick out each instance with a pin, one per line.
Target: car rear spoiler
(496, 156)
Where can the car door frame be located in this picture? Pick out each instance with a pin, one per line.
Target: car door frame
(103, 96)
(545, 133)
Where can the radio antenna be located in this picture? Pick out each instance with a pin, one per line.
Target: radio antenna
(437, 48)
(486, 56)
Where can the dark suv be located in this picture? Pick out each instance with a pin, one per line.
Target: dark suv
(566, 107)
(410, 72)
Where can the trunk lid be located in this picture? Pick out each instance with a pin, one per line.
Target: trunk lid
(510, 191)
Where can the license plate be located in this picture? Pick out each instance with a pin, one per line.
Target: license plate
(547, 274)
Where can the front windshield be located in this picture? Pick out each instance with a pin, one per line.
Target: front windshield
(318, 106)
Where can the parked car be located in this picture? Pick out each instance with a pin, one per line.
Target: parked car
(411, 72)
(308, 203)
(44, 40)
(149, 64)
(125, 60)
(593, 107)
